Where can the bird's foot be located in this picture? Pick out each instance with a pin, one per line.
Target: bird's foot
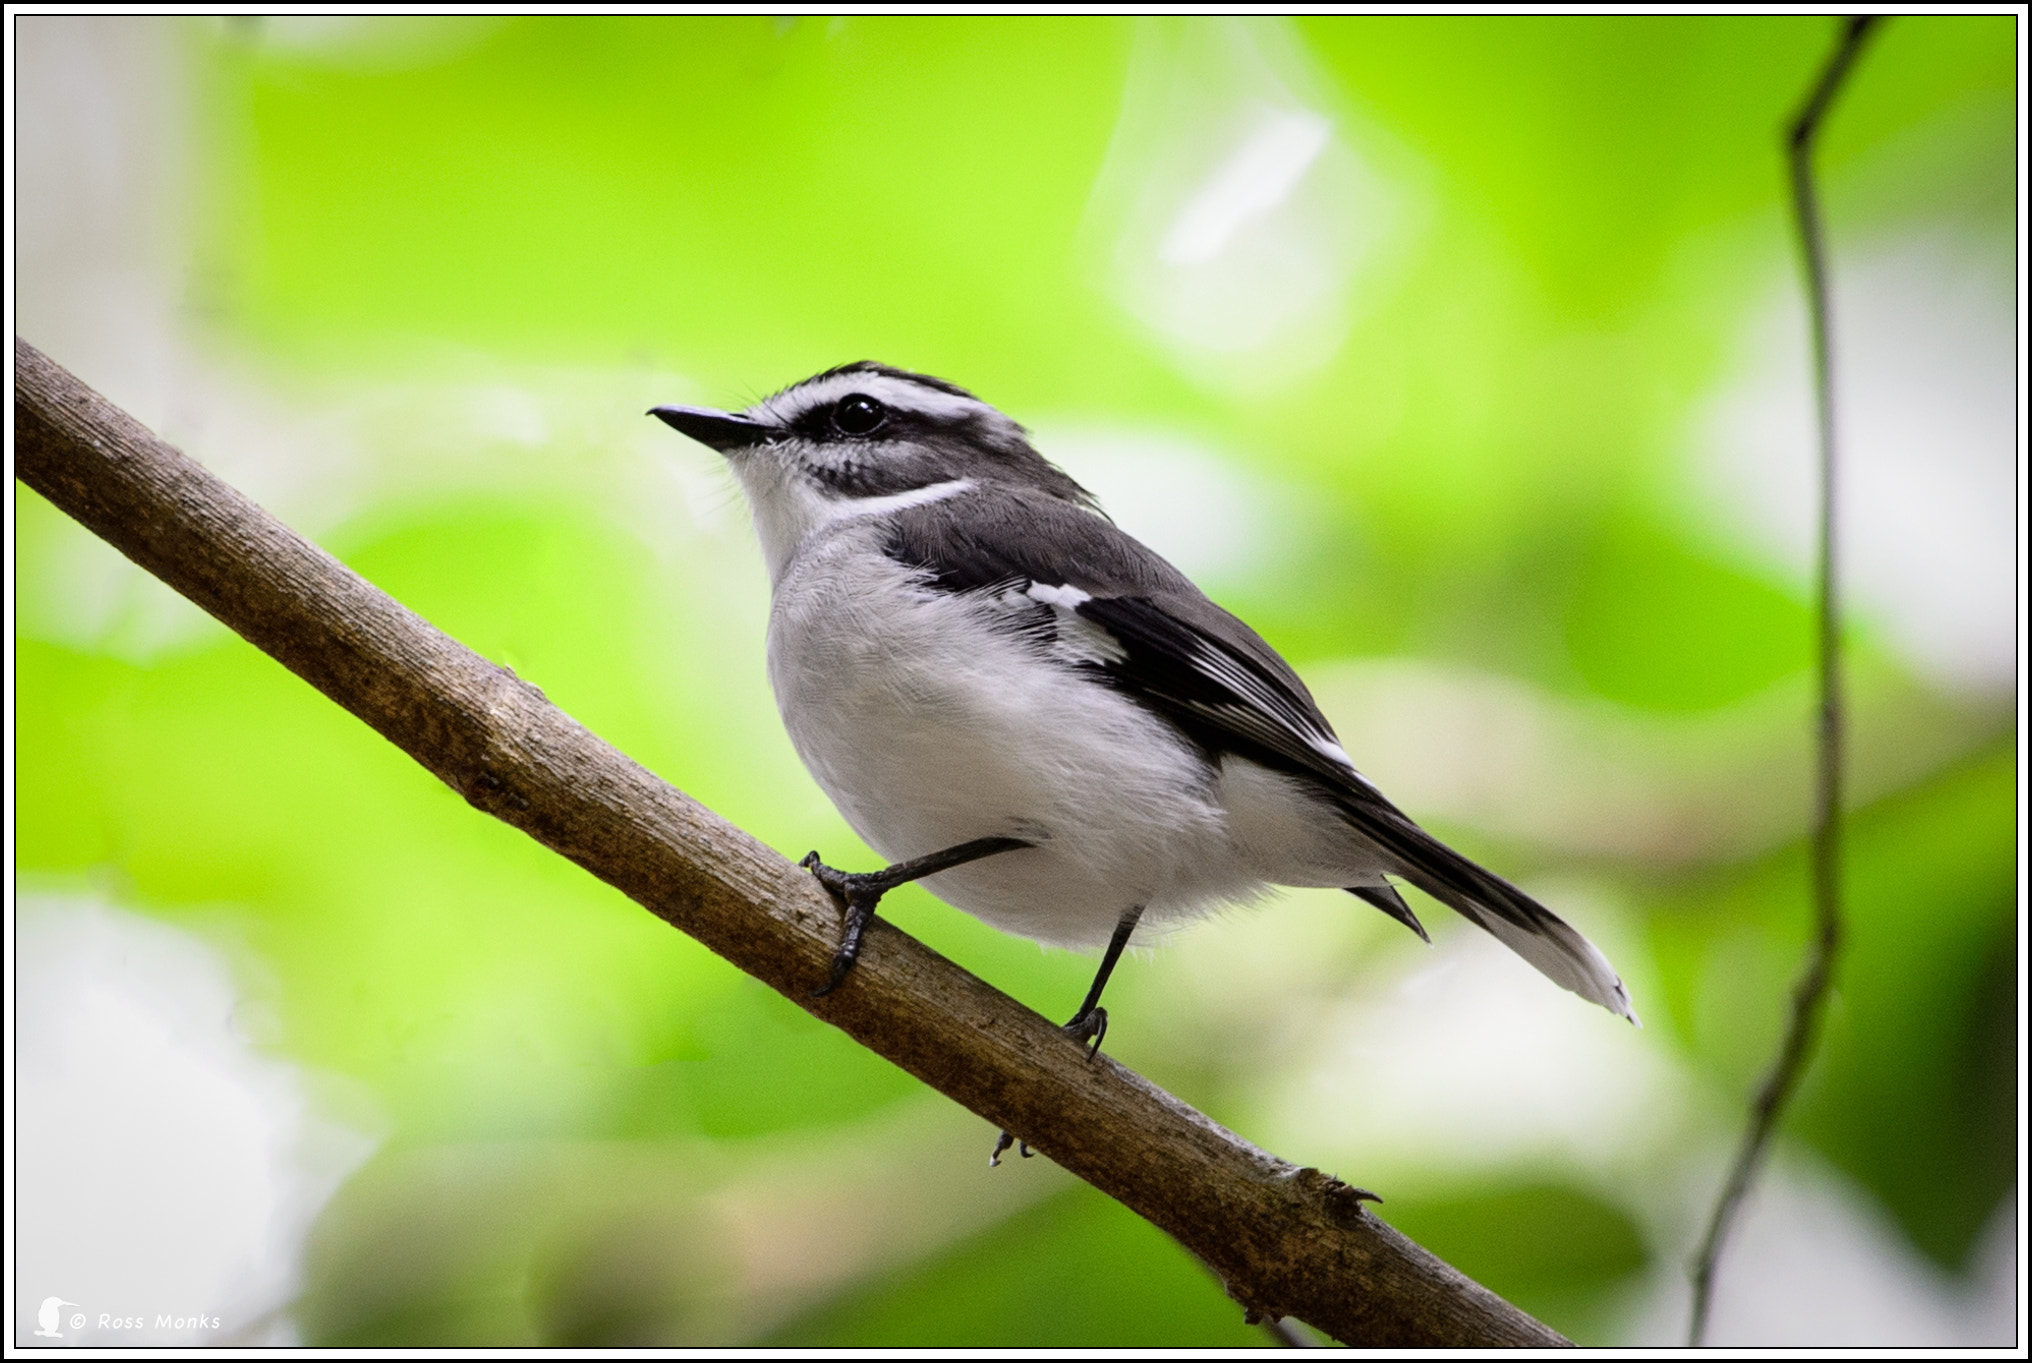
(857, 894)
(846, 886)
(1002, 1143)
(1088, 1027)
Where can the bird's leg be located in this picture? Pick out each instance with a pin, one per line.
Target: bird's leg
(1091, 1021)
(857, 893)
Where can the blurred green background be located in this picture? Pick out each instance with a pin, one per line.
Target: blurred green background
(1462, 356)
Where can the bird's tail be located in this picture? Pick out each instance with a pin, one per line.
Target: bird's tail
(1509, 915)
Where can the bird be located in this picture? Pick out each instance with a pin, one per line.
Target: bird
(1036, 715)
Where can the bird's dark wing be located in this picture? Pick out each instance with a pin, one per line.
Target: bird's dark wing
(1166, 645)
(1163, 644)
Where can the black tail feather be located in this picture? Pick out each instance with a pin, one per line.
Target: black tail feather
(1387, 899)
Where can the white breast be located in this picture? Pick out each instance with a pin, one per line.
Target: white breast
(928, 728)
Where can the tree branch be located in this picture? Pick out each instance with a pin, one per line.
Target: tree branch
(1809, 995)
(1285, 1240)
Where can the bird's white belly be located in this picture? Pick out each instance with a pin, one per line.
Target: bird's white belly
(928, 729)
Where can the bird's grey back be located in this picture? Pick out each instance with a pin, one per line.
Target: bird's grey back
(998, 536)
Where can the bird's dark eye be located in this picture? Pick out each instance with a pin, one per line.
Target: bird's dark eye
(859, 414)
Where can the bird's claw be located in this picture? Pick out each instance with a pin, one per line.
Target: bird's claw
(1002, 1143)
(839, 884)
(842, 963)
(1088, 1029)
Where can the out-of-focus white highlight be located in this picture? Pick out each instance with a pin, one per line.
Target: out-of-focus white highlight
(1592, 778)
(103, 265)
(166, 1166)
(375, 42)
(1235, 216)
(1531, 1075)
(1254, 181)
(1813, 1263)
(1183, 498)
(1925, 372)
(1456, 1067)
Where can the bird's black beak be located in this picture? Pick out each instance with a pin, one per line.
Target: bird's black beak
(722, 431)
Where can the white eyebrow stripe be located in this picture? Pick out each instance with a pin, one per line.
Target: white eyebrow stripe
(901, 394)
(855, 507)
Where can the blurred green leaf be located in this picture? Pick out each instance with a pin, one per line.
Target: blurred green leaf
(1914, 1092)
(1554, 1251)
(1078, 1271)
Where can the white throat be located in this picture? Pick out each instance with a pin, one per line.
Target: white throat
(790, 510)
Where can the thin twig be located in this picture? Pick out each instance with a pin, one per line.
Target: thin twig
(1809, 996)
(1284, 1240)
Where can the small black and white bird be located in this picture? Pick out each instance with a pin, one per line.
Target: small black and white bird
(1038, 716)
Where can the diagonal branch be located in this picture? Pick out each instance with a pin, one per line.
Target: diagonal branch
(1809, 996)
(1285, 1240)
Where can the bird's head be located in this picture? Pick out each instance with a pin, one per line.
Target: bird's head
(860, 439)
